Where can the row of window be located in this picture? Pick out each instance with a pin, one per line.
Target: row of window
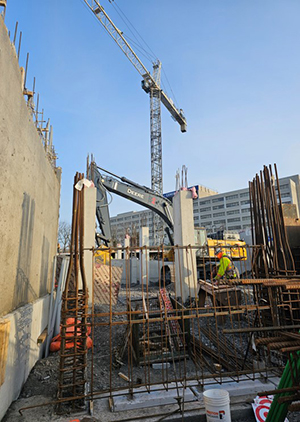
(235, 196)
(221, 199)
(222, 214)
(236, 227)
(222, 206)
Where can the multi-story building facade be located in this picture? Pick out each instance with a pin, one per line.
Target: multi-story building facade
(212, 210)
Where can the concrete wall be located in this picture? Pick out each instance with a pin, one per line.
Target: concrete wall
(26, 324)
(30, 189)
(29, 210)
(132, 270)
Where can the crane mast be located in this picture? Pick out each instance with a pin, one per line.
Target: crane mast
(151, 85)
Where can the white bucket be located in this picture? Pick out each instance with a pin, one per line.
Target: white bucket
(217, 405)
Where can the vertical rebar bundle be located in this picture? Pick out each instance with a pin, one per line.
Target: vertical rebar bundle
(73, 351)
(268, 228)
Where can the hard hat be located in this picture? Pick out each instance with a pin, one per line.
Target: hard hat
(219, 253)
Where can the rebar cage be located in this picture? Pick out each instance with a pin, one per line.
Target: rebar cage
(146, 336)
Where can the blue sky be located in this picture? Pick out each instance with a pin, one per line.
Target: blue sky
(233, 65)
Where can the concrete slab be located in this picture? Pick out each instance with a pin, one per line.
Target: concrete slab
(156, 397)
(242, 388)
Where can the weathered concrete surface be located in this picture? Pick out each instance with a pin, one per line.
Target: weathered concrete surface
(26, 324)
(29, 199)
(185, 260)
(29, 210)
(144, 253)
(89, 236)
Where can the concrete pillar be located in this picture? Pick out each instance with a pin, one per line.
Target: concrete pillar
(127, 242)
(119, 251)
(144, 254)
(89, 235)
(127, 259)
(185, 260)
(134, 270)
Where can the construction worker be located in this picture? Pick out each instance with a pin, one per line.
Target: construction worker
(226, 268)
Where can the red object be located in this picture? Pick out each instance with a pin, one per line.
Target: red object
(56, 341)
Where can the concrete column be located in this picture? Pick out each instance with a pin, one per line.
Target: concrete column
(185, 260)
(144, 254)
(127, 259)
(89, 235)
(127, 242)
(119, 251)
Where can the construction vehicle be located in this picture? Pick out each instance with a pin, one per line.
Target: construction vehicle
(106, 181)
(128, 189)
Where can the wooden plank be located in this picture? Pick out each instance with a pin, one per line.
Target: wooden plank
(42, 337)
(4, 340)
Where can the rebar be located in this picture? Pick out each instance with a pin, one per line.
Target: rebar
(73, 351)
(268, 228)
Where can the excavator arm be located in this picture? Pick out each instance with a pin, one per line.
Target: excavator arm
(106, 181)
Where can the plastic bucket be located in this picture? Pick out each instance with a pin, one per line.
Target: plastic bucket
(217, 405)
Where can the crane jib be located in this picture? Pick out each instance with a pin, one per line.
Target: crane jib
(118, 37)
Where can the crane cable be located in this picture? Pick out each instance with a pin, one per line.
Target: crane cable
(134, 29)
(139, 45)
(149, 56)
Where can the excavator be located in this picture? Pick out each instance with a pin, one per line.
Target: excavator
(105, 181)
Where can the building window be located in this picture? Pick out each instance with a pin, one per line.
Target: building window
(205, 202)
(285, 195)
(206, 216)
(219, 214)
(235, 227)
(285, 186)
(232, 204)
(244, 195)
(196, 218)
(247, 218)
(218, 207)
(205, 209)
(219, 221)
(246, 202)
(218, 199)
(245, 210)
(246, 226)
(229, 197)
(232, 220)
(233, 212)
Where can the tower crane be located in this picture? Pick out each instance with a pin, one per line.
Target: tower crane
(151, 85)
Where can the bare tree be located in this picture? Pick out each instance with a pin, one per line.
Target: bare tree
(64, 236)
